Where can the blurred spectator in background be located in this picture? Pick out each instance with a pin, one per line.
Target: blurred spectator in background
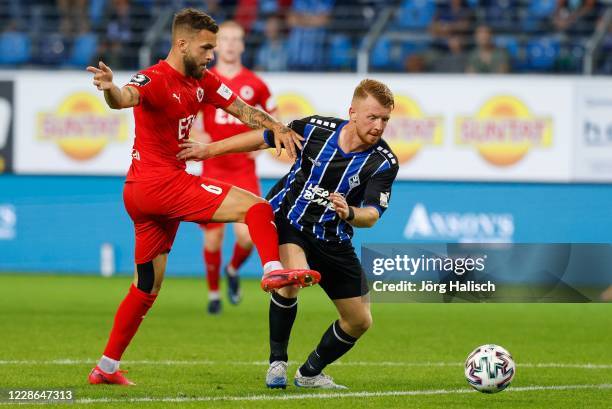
(246, 13)
(272, 55)
(451, 18)
(452, 59)
(486, 57)
(215, 8)
(124, 31)
(575, 16)
(72, 14)
(308, 20)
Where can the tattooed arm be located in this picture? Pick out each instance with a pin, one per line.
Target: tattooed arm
(256, 118)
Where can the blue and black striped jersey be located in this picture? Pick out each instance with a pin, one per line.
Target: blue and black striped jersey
(321, 168)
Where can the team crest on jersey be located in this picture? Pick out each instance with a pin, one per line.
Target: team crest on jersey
(200, 94)
(384, 199)
(140, 80)
(354, 181)
(246, 92)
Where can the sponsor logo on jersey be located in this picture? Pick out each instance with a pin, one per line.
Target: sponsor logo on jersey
(224, 91)
(139, 80)
(82, 126)
(465, 227)
(316, 194)
(504, 130)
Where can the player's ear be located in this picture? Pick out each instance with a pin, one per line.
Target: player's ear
(181, 44)
(352, 114)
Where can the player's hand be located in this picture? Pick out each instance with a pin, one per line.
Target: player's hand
(340, 205)
(194, 150)
(103, 76)
(287, 138)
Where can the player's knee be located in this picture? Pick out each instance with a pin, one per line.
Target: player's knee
(244, 240)
(213, 238)
(146, 277)
(361, 323)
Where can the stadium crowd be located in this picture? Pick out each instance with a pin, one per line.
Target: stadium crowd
(449, 36)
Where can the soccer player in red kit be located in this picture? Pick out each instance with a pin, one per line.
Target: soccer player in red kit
(237, 169)
(159, 194)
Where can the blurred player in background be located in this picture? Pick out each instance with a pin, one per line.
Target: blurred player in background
(236, 169)
(342, 179)
(158, 193)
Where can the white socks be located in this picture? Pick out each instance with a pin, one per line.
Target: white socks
(213, 295)
(272, 266)
(108, 365)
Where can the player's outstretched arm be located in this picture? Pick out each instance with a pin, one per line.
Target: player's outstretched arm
(244, 142)
(115, 97)
(357, 216)
(256, 118)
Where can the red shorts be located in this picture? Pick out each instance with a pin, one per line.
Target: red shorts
(245, 180)
(158, 206)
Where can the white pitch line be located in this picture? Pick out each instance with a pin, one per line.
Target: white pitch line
(168, 362)
(336, 395)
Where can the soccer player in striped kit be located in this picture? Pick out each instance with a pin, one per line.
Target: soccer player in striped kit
(341, 179)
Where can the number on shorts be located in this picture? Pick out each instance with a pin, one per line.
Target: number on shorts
(216, 190)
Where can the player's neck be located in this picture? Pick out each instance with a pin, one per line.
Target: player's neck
(349, 141)
(175, 61)
(228, 70)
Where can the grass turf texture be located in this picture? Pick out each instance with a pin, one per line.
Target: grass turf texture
(415, 349)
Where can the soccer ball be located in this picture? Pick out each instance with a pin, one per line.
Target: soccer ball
(489, 368)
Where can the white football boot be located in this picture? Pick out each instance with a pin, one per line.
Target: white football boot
(276, 377)
(320, 381)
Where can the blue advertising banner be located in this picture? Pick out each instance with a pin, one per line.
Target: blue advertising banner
(78, 224)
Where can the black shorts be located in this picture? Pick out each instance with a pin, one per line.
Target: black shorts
(341, 273)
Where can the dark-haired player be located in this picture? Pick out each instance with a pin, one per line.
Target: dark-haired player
(158, 193)
(342, 179)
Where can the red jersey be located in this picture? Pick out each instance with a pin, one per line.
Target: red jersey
(169, 102)
(220, 125)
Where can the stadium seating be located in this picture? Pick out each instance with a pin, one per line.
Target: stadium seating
(542, 53)
(415, 14)
(15, 48)
(524, 28)
(83, 50)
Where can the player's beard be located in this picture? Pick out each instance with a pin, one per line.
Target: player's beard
(192, 69)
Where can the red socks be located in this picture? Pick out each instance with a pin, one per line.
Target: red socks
(130, 314)
(260, 220)
(212, 259)
(239, 256)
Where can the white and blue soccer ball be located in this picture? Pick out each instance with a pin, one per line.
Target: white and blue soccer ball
(489, 368)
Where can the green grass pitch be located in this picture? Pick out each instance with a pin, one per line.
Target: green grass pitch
(53, 328)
